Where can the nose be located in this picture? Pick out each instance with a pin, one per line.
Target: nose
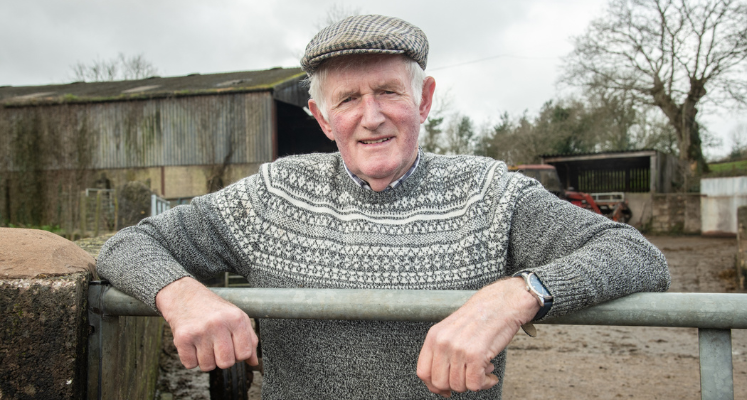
(372, 116)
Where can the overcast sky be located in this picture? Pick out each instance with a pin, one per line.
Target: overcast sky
(492, 56)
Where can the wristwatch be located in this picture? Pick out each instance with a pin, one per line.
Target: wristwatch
(539, 291)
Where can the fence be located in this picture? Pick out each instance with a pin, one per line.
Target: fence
(158, 205)
(713, 314)
(98, 211)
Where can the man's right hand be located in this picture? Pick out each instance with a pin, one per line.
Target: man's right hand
(208, 330)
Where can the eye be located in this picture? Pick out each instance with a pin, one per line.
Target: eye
(348, 99)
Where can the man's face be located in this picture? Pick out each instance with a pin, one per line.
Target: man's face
(372, 116)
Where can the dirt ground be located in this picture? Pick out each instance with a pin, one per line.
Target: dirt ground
(586, 362)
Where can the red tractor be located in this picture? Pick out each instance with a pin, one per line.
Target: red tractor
(612, 205)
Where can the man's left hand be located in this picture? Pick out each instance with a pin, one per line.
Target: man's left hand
(457, 351)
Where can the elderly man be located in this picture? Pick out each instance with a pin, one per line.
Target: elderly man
(378, 214)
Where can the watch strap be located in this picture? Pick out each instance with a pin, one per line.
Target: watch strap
(545, 302)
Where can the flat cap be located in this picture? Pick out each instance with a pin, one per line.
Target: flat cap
(366, 34)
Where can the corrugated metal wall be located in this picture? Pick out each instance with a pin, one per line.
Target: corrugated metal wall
(196, 130)
(720, 199)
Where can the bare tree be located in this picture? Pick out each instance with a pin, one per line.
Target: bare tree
(118, 68)
(335, 13)
(669, 54)
(459, 135)
(431, 132)
(739, 142)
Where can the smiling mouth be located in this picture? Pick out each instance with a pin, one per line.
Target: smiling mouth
(375, 141)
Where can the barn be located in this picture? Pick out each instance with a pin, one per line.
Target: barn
(181, 136)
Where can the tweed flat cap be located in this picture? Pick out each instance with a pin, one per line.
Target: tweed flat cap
(366, 34)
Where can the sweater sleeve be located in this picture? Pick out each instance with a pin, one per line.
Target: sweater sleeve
(581, 257)
(189, 240)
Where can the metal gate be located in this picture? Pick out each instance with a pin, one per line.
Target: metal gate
(714, 314)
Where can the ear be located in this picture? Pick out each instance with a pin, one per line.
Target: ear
(429, 87)
(326, 128)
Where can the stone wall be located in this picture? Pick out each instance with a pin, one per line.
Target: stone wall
(675, 213)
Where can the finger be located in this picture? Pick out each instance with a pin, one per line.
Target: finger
(490, 381)
(425, 360)
(254, 358)
(223, 351)
(479, 377)
(245, 344)
(440, 370)
(187, 355)
(433, 389)
(206, 356)
(457, 373)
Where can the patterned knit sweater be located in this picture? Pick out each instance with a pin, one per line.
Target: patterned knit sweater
(458, 222)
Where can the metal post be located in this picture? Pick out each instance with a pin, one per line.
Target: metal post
(97, 216)
(716, 376)
(83, 217)
(95, 313)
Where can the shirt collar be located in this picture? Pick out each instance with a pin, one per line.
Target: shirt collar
(360, 182)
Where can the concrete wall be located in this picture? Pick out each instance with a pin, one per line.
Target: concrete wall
(641, 205)
(44, 329)
(721, 199)
(43, 337)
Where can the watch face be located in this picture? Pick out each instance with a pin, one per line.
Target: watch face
(537, 285)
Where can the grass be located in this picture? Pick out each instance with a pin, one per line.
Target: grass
(733, 168)
(49, 228)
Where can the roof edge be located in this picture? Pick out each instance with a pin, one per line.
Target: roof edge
(72, 99)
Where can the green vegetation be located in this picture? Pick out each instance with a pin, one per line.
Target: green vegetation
(49, 228)
(727, 169)
(740, 166)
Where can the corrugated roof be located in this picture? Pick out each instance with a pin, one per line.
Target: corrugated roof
(154, 87)
(595, 153)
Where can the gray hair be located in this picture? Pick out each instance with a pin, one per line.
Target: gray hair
(317, 79)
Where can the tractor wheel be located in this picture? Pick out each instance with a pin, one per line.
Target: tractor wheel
(231, 383)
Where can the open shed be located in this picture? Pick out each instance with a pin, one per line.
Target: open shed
(183, 136)
(637, 171)
(650, 180)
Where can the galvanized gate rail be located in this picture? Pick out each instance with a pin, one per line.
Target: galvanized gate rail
(714, 314)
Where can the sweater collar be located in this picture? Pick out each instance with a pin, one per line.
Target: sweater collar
(403, 189)
(360, 182)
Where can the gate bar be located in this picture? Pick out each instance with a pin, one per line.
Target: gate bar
(684, 310)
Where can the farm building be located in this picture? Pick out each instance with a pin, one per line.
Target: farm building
(637, 171)
(181, 136)
(651, 181)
